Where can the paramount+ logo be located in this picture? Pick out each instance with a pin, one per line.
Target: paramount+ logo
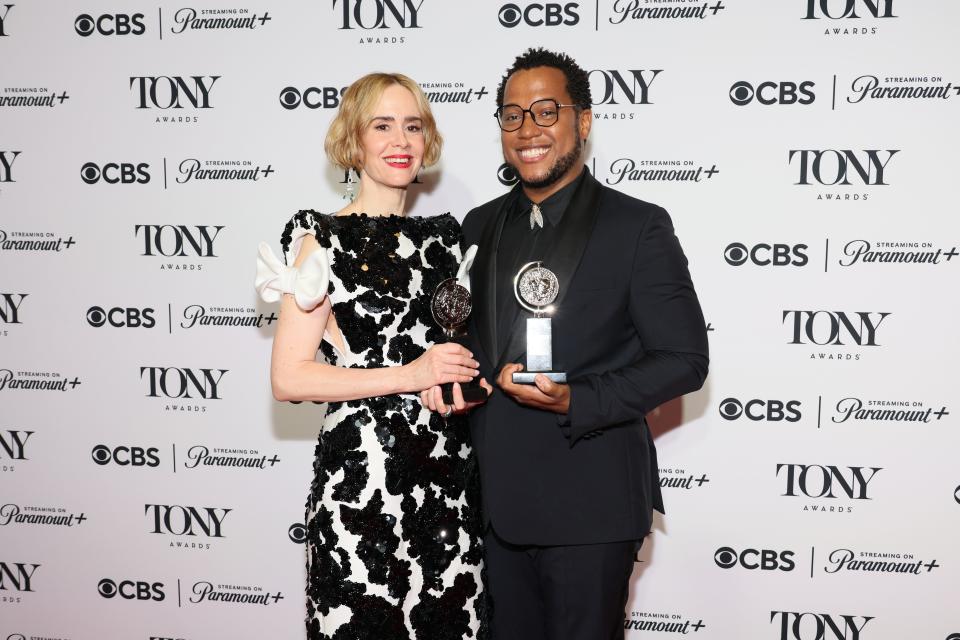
(109, 24)
(311, 97)
(753, 559)
(768, 93)
(131, 590)
(761, 410)
(186, 18)
(765, 254)
(795, 625)
(115, 173)
(537, 14)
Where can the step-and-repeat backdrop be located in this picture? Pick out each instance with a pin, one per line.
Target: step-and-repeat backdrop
(150, 487)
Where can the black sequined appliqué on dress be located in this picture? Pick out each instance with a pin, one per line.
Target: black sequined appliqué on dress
(393, 523)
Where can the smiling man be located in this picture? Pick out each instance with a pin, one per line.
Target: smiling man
(569, 470)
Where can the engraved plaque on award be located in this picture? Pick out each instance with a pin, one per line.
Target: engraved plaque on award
(451, 306)
(536, 288)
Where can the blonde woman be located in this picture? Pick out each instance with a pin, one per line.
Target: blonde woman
(393, 523)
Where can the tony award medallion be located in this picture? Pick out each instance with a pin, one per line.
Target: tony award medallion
(451, 306)
(536, 288)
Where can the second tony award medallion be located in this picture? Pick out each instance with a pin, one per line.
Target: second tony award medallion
(451, 306)
(536, 288)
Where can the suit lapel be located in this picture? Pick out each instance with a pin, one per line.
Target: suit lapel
(562, 257)
(485, 295)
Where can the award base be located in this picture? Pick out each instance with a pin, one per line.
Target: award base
(539, 353)
(526, 377)
(472, 391)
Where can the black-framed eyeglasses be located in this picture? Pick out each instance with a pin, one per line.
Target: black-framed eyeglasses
(545, 113)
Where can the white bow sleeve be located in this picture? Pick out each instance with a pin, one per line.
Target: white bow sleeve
(463, 273)
(308, 283)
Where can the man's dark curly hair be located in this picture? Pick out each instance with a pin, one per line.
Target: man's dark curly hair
(578, 84)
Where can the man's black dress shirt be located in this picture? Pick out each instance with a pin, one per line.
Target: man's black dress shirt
(519, 244)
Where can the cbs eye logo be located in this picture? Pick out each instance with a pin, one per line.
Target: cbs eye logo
(290, 98)
(84, 25)
(510, 15)
(90, 173)
(736, 254)
(507, 175)
(741, 93)
(107, 588)
(725, 557)
(297, 533)
(96, 316)
(101, 454)
(731, 409)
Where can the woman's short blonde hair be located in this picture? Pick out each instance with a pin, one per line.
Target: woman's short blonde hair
(343, 144)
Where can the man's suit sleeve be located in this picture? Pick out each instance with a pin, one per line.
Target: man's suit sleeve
(667, 317)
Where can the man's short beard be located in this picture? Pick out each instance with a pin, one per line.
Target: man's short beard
(557, 171)
(559, 168)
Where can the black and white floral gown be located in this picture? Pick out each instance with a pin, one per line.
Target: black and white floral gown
(393, 523)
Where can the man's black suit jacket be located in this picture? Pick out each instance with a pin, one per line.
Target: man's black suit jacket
(629, 332)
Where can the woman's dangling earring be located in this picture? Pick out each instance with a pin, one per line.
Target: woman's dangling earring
(350, 189)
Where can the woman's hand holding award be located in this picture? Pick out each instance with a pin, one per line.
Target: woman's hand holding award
(451, 306)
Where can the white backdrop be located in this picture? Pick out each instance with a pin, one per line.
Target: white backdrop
(109, 530)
